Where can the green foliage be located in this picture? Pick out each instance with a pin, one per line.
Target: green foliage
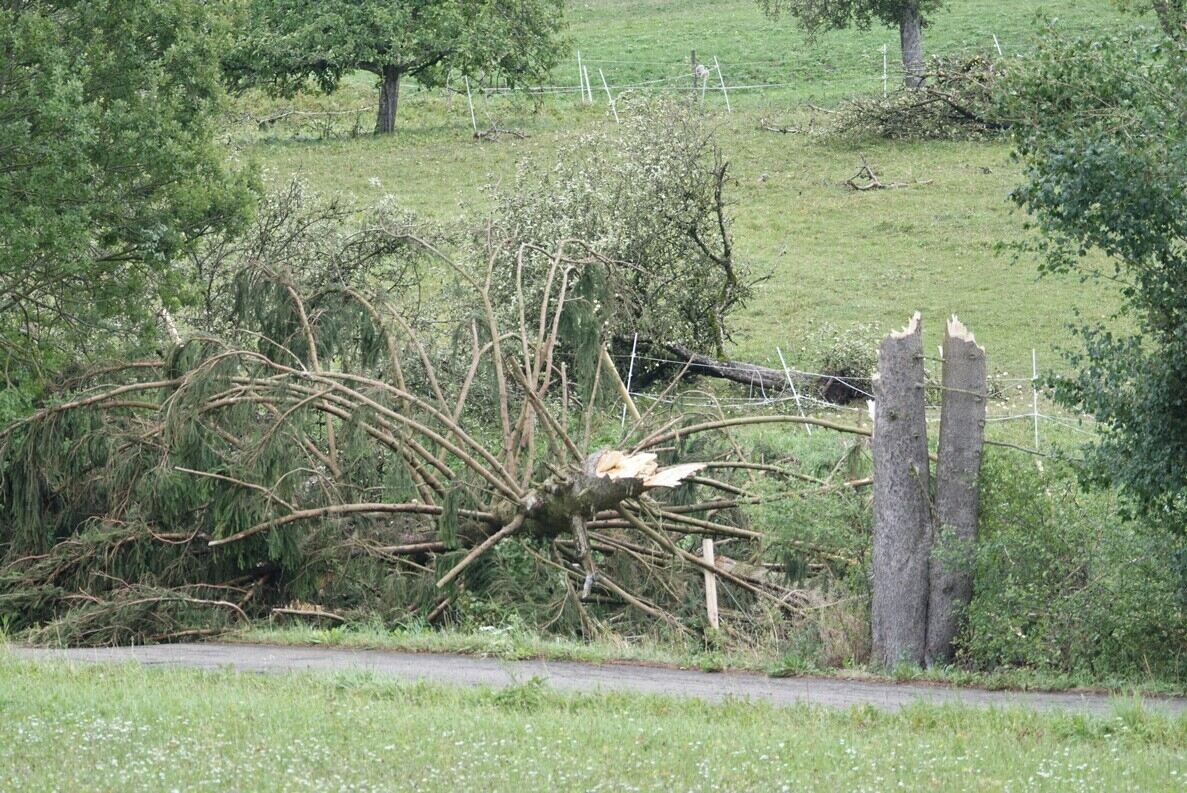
(110, 172)
(285, 44)
(819, 15)
(1063, 585)
(1103, 134)
(847, 357)
(1171, 14)
(645, 198)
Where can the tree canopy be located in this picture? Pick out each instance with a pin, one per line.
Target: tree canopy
(289, 43)
(910, 16)
(1103, 135)
(109, 170)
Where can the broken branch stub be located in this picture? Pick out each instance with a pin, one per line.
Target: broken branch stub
(606, 479)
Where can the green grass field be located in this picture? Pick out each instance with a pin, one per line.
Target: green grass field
(835, 256)
(131, 729)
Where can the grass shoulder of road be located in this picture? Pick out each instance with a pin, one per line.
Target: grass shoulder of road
(130, 728)
(517, 644)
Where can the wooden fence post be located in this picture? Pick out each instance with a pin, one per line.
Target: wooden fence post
(962, 435)
(902, 504)
(710, 583)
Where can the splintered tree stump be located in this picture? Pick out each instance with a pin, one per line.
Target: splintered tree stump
(902, 505)
(962, 430)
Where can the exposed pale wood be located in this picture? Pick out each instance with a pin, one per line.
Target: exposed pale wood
(710, 584)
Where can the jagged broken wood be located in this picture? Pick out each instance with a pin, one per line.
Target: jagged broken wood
(902, 533)
(922, 552)
(962, 432)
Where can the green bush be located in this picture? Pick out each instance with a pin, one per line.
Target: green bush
(1063, 584)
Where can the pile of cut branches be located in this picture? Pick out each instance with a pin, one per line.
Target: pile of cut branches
(956, 101)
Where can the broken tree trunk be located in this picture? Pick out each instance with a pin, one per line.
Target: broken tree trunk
(606, 479)
(962, 434)
(832, 388)
(902, 505)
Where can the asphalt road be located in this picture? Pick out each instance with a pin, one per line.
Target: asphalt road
(582, 677)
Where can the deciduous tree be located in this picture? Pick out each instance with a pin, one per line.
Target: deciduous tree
(289, 43)
(108, 169)
(1103, 135)
(909, 15)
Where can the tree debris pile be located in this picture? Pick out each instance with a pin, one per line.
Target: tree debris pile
(327, 448)
(955, 101)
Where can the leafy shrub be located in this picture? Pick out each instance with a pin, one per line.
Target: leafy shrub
(645, 199)
(847, 360)
(1063, 584)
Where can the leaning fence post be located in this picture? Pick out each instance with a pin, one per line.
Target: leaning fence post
(962, 435)
(470, 101)
(885, 70)
(794, 392)
(580, 77)
(1034, 393)
(724, 92)
(630, 373)
(609, 97)
(902, 504)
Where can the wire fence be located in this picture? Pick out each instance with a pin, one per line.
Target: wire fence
(1000, 410)
(600, 81)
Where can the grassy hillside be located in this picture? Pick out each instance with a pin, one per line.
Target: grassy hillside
(835, 256)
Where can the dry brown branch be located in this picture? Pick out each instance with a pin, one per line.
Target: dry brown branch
(307, 610)
(492, 134)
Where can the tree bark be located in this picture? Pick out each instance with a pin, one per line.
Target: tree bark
(962, 433)
(902, 504)
(911, 41)
(389, 99)
(837, 389)
(761, 377)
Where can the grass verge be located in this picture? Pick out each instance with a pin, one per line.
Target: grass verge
(130, 728)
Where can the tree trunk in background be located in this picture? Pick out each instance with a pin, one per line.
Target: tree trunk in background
(902, 503)
(389, 99)
(911, 41)
(962, 433)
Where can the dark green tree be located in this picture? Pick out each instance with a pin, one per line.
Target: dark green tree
(909, 15)
(108, 171)
(288, 43)
(1103, 134)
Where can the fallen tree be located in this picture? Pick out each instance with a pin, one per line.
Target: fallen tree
(838, 388)
(319, 456)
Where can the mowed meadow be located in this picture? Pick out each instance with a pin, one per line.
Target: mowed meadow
(835, 260)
